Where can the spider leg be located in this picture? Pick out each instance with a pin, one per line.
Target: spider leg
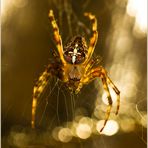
(57, 36)
(37, 91)
(101, 73)
(93, 39)
(88, 68)
(104, 81)
(116, 91)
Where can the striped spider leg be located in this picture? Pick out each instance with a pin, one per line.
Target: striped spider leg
(54, 69)
(91, 72)
(93, 39)
(100, 72)
(37, 91)
(57, 36)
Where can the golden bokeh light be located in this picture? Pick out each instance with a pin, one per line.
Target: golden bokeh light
(4, 7)
(138, 9)
(86, 120)
(55, 133)
(8, 7)
(64, 135)
(83, 130)
(19, 139)
(110, 129)
(73, 128)
(127, 124)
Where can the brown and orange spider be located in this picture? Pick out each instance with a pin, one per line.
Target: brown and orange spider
(74, 66)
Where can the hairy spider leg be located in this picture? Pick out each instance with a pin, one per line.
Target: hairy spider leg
(93, 39)
(101, 73)
(85, 79)
(91, 63)
(109, 81)
(57, 36)
(88, 69)
(117, 93)
(37, 91)
(104, 81)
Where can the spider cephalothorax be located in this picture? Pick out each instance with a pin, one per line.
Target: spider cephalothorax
(75, 66)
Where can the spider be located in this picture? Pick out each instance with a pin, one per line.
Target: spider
(74, 66)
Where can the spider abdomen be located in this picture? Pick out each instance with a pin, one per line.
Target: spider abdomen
(75, 50)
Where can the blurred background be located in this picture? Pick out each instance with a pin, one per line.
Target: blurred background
(63, 119)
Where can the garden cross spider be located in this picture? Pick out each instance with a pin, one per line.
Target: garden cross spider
(74, 66)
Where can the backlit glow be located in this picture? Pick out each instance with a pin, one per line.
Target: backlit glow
(4, 6)
(55, 133)
(83, 131)
(64, 135)
(138, 9)
(8, 7)
(86, 120)
(110, 129)
(127, 125)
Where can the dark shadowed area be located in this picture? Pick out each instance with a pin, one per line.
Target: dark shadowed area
(63, 119)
